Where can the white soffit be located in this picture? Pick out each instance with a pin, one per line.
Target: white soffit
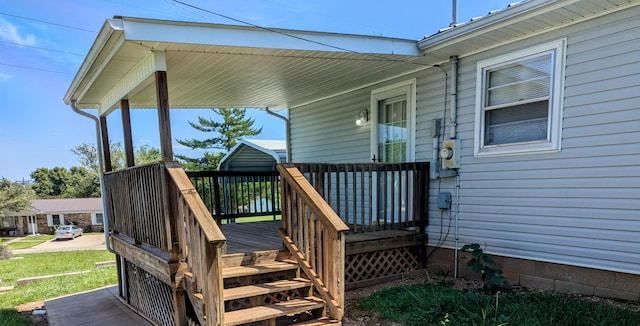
(210, 65)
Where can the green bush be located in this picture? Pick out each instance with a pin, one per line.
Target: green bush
(481, 263)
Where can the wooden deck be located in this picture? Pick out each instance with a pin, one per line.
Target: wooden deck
(258, 236)
(249, 237)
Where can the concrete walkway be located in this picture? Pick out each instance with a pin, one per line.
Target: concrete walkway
(97, 307)
(93, 241)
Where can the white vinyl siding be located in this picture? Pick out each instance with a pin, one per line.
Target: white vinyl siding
(578, 206)
(519, 101)
(325, 132)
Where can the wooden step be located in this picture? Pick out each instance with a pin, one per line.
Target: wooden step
(272, 311)
(264, 288)
(324, 321)
(247, 270)
(255, 257)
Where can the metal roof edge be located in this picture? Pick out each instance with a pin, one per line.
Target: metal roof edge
(512, 12)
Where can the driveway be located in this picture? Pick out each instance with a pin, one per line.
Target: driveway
(93, 241)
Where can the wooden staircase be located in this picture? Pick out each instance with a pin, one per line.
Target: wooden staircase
(267, 288)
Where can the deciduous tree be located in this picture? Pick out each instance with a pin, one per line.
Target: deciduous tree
(14, 197)
(84, 181)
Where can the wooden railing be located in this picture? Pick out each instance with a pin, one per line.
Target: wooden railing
(160, 223)
(235, 194)
(315, 234)
(136, 204)
(373, 196)
(201, 243)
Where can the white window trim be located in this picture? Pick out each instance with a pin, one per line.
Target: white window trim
(94, 219)
(50, 219)
(407, 88)
(556, 101)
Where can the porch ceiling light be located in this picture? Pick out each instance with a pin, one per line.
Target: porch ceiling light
(362, 118)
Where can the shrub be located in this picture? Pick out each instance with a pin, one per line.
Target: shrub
(4, 251)
(481, 263)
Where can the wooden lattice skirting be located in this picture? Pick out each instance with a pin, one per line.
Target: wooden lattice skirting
(148, 295)
(364, 268)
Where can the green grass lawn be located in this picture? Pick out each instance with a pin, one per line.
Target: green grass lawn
(46, 264)
(28, 242)
(436, 304)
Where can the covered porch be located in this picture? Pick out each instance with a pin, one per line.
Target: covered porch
(336, 225)
(156, 212)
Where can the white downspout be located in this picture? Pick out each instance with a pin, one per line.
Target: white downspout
(454, 98)
(105, 219)
(453, 133)
(287, 131)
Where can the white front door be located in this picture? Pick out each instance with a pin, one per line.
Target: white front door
(32, 226)
(392, 137)
(393, 111)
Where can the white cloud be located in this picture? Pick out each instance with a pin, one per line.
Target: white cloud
(9, 32)
(4, 77)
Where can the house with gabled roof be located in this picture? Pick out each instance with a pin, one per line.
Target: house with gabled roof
(44, 215)
(527, 119)
(254, 155)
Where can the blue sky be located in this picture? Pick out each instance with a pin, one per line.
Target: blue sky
(43, 43)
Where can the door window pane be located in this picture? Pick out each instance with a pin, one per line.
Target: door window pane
(392, 130)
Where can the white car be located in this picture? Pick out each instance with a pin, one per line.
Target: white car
(68, 232)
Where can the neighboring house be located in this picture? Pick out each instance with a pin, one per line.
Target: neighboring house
(45, 214)
(255, 155)
(535, 110)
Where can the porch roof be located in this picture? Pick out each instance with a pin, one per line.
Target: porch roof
(213, 65)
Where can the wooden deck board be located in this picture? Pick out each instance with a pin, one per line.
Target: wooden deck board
(256, 236)
(250, 237)
(249, 315)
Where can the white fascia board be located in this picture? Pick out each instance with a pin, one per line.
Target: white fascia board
(154, 61)
(494, 21)
(269, 38)
(108, 29)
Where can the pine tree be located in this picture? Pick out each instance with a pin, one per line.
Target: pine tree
(233, 127)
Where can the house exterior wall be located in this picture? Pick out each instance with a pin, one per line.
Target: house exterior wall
(83, 220)
(546, 276)
(578, 206)
(325, 131)
(576, 209)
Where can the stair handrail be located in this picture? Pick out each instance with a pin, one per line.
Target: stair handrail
(201, 244)
(315, 234)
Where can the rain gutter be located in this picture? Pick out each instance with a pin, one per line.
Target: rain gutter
(105, 219)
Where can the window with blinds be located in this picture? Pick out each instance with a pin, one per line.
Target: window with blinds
(517, 101)
(519, 97)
